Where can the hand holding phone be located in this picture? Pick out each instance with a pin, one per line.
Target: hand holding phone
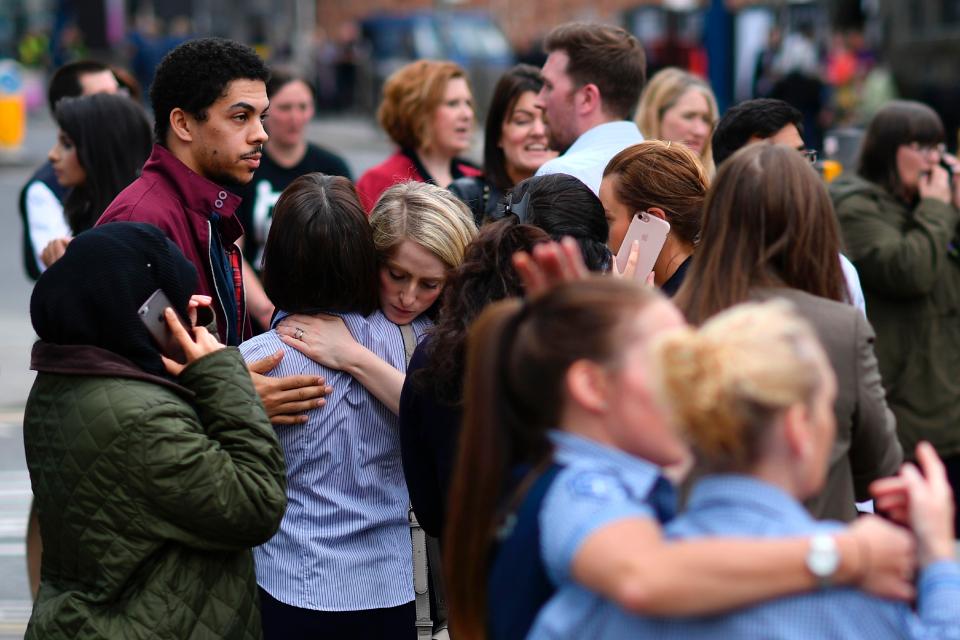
(650, 233)
(152, 316)
(195, 348)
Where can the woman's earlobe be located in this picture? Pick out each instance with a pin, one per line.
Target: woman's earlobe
(658, 212)
(587, 386)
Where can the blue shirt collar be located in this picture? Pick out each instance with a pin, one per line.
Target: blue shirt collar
(615, 131)
(747, 493)
(641, 476)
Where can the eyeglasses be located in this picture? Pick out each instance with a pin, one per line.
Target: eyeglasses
(810, 155)
(927, 149)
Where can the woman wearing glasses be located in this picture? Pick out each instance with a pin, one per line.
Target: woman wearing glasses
(899, 219)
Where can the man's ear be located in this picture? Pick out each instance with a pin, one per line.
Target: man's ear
(586, 384)
(181, 124)
(588, 99)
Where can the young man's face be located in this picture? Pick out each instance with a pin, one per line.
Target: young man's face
(556, 99)
(98, 82)
(226, 146)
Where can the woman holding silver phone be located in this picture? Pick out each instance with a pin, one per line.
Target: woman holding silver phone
(667, 184)
(153, 478)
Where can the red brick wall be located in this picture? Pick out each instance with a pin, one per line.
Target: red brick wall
(521, 20)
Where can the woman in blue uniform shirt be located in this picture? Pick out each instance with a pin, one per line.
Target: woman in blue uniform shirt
(754, 392)
(558, 387)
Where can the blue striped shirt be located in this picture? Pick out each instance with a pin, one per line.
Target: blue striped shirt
(344, 542)
(733, 505)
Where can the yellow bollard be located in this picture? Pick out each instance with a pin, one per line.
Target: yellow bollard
(13, 109)
(831, 170)
(13, 121)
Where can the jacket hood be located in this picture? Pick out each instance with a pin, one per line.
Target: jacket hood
(86, 360)
(851, 184)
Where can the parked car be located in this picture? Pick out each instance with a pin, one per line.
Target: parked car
(470, 38)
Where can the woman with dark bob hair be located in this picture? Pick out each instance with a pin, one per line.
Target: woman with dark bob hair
(769, 231)
(899, 217)
(514, 143)
(341, 562)
(102, 144)
(427, 110)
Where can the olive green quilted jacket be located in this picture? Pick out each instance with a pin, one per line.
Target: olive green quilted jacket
(150, 496)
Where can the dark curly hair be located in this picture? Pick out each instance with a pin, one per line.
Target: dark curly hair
(195, 75)
(761, 117)
(485, 276)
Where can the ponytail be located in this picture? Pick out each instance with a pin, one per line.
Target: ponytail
(487, 451)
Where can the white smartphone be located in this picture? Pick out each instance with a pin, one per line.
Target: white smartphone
(651, 232)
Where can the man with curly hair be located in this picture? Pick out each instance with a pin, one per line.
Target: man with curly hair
(209, 98)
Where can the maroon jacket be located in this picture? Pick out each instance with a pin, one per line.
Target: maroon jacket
(169, 195)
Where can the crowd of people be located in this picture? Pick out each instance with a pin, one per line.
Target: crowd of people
(444, 401)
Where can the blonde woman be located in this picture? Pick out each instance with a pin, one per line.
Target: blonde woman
(427, 110)
(421, 232)
(753, 393)
(680, 107)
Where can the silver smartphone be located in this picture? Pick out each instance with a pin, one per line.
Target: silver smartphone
(651, 232)
(151, 315)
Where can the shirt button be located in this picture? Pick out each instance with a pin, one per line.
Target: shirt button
(218, 204)
(222, 195)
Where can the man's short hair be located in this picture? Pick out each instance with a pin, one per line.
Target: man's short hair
(195, 75)
(65, 82)
(606, 56)
(759, 118)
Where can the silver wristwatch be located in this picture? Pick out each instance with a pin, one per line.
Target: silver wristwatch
(823, 559)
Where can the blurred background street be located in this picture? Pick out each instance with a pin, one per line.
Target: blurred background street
(836, 60)
(356, 138)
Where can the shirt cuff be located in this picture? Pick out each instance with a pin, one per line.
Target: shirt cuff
(939, 590)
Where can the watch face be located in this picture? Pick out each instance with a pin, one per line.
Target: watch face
(823, 558)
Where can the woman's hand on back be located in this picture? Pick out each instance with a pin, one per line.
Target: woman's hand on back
(322, 338)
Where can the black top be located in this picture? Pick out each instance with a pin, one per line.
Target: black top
(479, 195)
(672, 285)
(261, 193)
(429, 435)
(518, 585)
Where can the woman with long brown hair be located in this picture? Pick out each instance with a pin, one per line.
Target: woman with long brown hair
(663, 180)
(769, 231)
(558, 481)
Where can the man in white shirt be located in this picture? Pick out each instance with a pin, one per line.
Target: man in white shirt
(592, 81)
